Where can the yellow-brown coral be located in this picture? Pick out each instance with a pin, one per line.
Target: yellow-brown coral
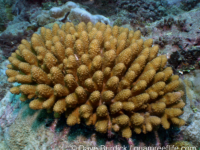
(108, 76)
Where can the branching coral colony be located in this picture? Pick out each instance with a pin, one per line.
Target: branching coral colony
(107, 76)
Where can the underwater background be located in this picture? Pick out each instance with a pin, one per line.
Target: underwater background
(174, 25)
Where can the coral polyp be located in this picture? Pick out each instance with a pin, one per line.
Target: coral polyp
(104, 76)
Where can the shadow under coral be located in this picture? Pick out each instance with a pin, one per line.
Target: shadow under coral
(150, 139)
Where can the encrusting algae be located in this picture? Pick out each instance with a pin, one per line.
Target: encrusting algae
(107, 76)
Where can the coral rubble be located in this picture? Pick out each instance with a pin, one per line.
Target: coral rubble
(182, 145)
(72, 11)
(102, 75)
